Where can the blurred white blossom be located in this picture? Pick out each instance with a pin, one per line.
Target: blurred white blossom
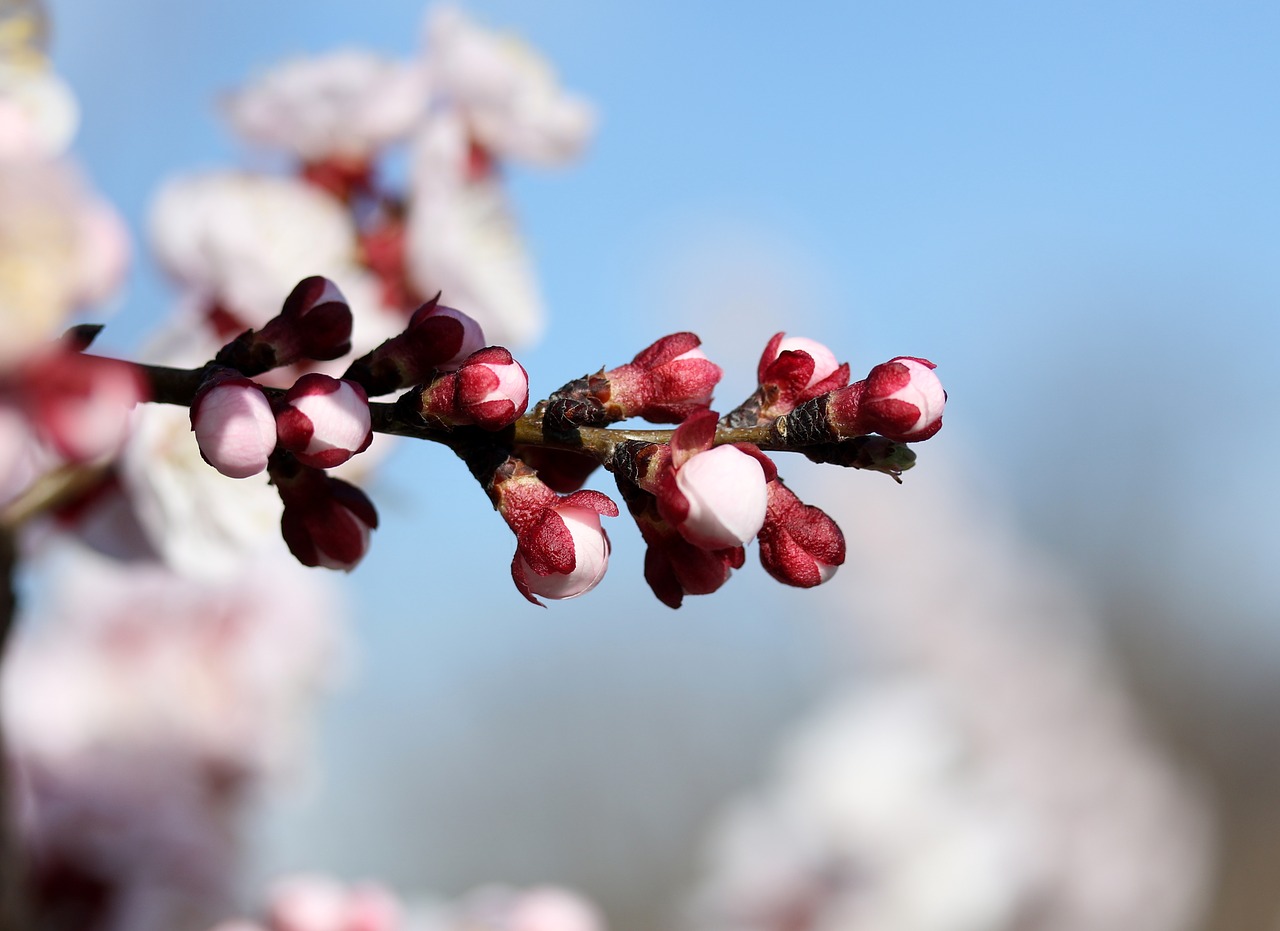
(244, 240)
(462, 239)
(996, 776)
(505, 93)
(347, 105)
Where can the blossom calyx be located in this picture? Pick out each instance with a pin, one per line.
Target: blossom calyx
(234, 425)
(313, 324)
(438, 338)
(490, 391)
(561, 549)
(665, 383)
(326, 521)
(800, 544)
(324, 421)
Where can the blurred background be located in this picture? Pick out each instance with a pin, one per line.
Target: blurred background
(1073, 209)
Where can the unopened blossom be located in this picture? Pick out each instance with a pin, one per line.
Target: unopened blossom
(344, 105)
(792, 370)
(490, 390)
(800, 544)
(674, 567)
(314, 324)
(715, 496)
(561, 549)
(234, 426)
(504, 91)
(664, 383)
(243, 241)
(324, 421)
(326, 521)
(901, 399)
(725, 493)
(437, 338)
(79, 404)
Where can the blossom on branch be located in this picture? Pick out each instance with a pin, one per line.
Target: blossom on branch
(326, 521)
(561, 549)
(324, 421)
(800, 544)
(234, 425)
(490, 390)
(901, 399)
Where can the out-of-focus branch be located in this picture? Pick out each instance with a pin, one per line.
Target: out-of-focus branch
(11, 912)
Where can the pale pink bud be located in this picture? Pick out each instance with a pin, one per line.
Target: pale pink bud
(589, 548)
(314, 323)
(469, 339)
(324, 421)
(492, 389)
(725, 490)
(792, 371)
(901, 399)
(437, 339)
(234, 426)
(824, 360)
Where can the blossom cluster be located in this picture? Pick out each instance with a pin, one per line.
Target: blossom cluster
(699, 494)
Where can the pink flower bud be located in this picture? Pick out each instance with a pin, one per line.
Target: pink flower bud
(715, 497)
(561, 550)
(585, 542)
(665, 383)
(80, 404)
(324, 421)
(799, 544)
(901, 399)
(234, 426)
(437, 339)
(326, 521)
(725, 491)
(823, 359)
(455, 343)
(673, 566)
(314, 323)
(492, 389)
(794, 370)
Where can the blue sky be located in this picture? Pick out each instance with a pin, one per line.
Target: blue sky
(1073, 208)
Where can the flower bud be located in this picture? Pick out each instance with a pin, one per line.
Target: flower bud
(324, 421)
(715, 497)
(725, 491)
(589, 547)
(665, 383)
(561, 550)
(234, 426)
(800, 545)
(314, 323)
(326, 521)
(791, 372)
(438, 338)
(901, 399)
(673, 566)
(492, 389)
